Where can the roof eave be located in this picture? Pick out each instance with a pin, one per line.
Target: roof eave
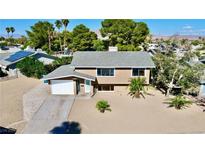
(58, 77)
(114, 66)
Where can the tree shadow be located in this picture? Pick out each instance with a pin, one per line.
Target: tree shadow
(168, 104)
(67, 128)
(133, 95)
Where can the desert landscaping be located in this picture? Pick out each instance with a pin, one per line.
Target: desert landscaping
(129, 115)
(11, 104)
(149, 115)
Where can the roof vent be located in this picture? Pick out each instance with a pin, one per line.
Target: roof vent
(113, 49)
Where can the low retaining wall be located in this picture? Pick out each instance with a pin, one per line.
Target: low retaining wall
(33, 100)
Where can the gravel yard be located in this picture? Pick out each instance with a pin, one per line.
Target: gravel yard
(11, 101)
(149, 115)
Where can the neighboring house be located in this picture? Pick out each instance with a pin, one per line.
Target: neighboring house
(8, 63)
(90, 72)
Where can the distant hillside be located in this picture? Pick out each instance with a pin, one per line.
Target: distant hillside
(189, 37)
(14, 35)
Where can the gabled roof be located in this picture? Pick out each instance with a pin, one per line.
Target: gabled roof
(112, 59)
(66, 71)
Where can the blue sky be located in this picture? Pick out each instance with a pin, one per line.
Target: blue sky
(157, 26)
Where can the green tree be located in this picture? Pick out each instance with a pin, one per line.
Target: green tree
(136, 87)
(98, 45)
(65, 23)
(62, 61)
(57, 63)
(125, 33)
(172, 71)
(22, 40)
(140, 33)
(31, 67)
(195, 42)
(12, 29)
(41, 35)
(58, 25)
(8, 30)
(2, 38)
(82, 39)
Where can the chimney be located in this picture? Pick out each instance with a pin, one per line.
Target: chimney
(113, 49)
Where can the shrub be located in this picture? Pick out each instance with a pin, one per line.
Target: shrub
(62, 61)
(179, 102)
(57, 63)
(31, 67)
(103, 105)
(136, 87)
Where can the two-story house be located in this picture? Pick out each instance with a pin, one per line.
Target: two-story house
(91, 72)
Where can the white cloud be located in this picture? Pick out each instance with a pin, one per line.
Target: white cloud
(187, 27)
(189, 30)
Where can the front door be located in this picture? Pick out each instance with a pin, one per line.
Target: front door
(87, 86)
(77, 86)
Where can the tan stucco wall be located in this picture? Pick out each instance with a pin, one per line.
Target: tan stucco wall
(123, 88)
(122, 75)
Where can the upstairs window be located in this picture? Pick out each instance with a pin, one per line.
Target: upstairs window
(138, 72)
(105, 71)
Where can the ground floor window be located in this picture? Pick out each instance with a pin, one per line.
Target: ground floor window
(106, 88)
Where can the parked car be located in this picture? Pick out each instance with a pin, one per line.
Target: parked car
(4, 130)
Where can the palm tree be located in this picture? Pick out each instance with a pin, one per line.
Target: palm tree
(65, 23)
(58, 24)
(103, 105)
(12, 29)
(50, 37)
(136, 87)
(179, 102)
(8, 31)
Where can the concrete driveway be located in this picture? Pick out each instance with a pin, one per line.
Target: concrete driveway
(53, 112)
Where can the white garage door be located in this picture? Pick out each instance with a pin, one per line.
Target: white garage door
(62, 87)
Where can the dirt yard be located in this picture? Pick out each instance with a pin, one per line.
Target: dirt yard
(149, 115)
(11, 107)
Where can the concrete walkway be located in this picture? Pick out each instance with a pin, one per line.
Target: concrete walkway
(51, 114)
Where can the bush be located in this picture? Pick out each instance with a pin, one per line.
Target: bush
(62, 61)
(57, 63)
(103, 105)
(31, 67)
(179, 102)
(2, 44)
